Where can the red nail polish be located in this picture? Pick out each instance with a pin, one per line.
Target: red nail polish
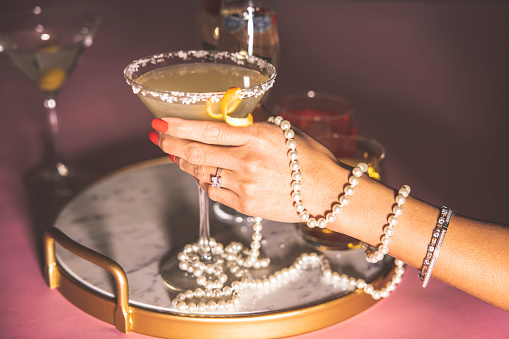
(160, 125)
(172, 157)
(154, 137)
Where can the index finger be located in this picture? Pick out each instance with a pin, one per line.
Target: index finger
(208, 132)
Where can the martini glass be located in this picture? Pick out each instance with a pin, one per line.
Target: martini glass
(45, 45)
(190, 85)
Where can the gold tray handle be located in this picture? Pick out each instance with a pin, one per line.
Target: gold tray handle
(122, 313)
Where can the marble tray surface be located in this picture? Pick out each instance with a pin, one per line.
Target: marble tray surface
(140, 216)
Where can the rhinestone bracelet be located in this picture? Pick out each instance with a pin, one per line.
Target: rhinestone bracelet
(435, 244)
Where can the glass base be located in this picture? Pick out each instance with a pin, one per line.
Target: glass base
(180, 281)
(176, 279)
(59, 180)
(229, 215)
(325, 239)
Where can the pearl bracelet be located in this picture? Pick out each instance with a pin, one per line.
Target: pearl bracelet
(392, 219)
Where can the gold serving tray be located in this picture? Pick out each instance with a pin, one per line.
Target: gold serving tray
(105, 204)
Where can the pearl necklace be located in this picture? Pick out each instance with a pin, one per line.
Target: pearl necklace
(216, 297)
(213, 295)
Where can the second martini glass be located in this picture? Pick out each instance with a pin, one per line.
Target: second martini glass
(46, 45)
(191, 85)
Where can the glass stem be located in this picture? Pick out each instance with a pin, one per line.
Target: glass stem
(204, 236)
(55, 144)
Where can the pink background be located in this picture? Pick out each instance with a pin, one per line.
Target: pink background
(428, 79)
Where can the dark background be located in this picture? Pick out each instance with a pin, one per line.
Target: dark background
(428, 79)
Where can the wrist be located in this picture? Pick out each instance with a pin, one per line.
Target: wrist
(367, 211)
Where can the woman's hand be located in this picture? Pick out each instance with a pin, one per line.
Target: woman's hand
(256, 181)
(255, 177)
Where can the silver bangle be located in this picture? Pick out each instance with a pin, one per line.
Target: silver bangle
(432, 245)
(435, 245)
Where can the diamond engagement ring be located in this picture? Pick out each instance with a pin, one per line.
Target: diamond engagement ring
(216, 180)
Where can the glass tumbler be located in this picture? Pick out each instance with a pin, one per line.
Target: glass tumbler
(321, 115)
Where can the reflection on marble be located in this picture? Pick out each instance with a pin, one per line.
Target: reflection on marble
(140, 216)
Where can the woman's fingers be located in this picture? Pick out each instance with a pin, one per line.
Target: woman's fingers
(206, 173)
(208, 132)
(195, 152)
(223, 195)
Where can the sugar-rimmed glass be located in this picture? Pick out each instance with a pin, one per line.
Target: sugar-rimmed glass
(192, 98)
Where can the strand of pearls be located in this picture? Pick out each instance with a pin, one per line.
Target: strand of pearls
(211, 276)
(229, 297)
(383, 248)
(384, 292)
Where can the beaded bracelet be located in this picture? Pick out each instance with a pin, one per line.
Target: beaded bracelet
(392, 219)
(435, 244)
(371, 256)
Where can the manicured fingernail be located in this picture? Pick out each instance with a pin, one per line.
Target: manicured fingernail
(172, 157)
(160, 125)
(154, 137)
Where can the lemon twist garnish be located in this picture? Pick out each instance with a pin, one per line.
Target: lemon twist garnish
(229, 103)
(231, 100)
(239, 122)
(210, 111)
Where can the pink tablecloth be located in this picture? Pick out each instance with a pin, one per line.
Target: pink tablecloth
(31, 310)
